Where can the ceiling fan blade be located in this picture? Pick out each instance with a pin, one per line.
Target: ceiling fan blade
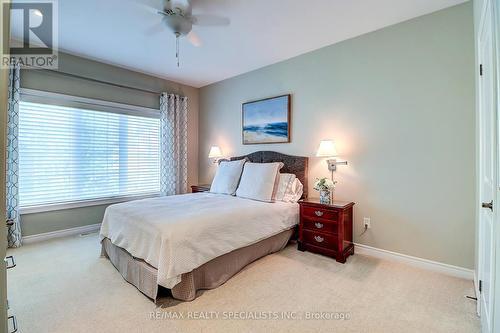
(149, 6)
(156, 28)
(194, 39)
(149, 3)
(210, 20)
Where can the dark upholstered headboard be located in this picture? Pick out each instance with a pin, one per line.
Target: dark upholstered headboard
(292, 164)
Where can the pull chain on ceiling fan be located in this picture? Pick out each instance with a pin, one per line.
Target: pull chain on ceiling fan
(178, 18)
(177, 35)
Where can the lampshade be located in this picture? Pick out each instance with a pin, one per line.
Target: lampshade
(215, 152)
(327, 149)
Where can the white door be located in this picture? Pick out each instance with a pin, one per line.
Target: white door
(487, 164)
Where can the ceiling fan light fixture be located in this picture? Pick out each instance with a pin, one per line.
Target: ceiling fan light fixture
(177, 16)
(178, 25)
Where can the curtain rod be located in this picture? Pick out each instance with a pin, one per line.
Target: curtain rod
(102, 82)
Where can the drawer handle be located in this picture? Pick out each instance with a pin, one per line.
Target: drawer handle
(318, 213)
(319, 239)
(318, 225)
(14, 323)
(10, 258)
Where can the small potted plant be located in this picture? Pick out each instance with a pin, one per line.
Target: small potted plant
(325, 187)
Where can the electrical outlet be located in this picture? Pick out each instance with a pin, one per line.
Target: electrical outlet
(367, 223)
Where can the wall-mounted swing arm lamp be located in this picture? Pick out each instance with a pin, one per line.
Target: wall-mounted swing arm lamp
(327, 149)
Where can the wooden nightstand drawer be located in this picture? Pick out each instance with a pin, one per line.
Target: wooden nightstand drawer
(326, 228)
(322, 213)
(320, 239)
(319, 225)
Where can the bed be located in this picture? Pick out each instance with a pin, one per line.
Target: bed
(185, 243)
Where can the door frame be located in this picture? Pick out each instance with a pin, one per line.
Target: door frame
(487, 123)
(4, 79)
(495, 245)
(496, 263)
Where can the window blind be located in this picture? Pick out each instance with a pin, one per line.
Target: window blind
(69, 154)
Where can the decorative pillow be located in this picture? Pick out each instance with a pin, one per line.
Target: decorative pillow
(258, 181)
(227, 177)
(294, 191)
(285, 182)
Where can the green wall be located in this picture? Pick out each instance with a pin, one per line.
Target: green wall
(37, 223)
(400, 104)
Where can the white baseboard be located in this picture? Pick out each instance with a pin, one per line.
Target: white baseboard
(435, 266)
(61, 233)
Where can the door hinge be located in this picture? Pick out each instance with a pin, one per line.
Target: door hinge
(480, 286)
(481, 70)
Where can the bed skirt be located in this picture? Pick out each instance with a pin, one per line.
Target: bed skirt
(208, 276)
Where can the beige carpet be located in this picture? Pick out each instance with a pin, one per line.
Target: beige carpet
(64, 286)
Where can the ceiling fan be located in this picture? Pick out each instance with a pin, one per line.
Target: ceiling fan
(178, 18)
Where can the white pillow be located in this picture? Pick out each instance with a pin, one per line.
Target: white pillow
(294, 191)
(258, 181)
(285, 182)
(227, 177)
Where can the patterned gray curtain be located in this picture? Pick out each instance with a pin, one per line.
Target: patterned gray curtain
(12, 181)
(173, 140)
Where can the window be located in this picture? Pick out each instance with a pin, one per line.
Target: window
(72, 154)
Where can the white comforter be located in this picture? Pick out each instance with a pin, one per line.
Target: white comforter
(177, 234)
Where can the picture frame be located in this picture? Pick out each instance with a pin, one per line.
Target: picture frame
(266, 121)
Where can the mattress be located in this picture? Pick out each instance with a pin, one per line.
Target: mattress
(177, 234)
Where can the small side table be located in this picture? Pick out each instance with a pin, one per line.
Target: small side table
(200, 188)
(326, 229)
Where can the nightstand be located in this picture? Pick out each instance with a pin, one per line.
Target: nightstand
(326, 229)
(200, 188)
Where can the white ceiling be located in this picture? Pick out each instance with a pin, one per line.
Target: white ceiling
(262, 32)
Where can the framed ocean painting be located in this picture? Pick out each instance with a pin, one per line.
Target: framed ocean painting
(266, 120)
